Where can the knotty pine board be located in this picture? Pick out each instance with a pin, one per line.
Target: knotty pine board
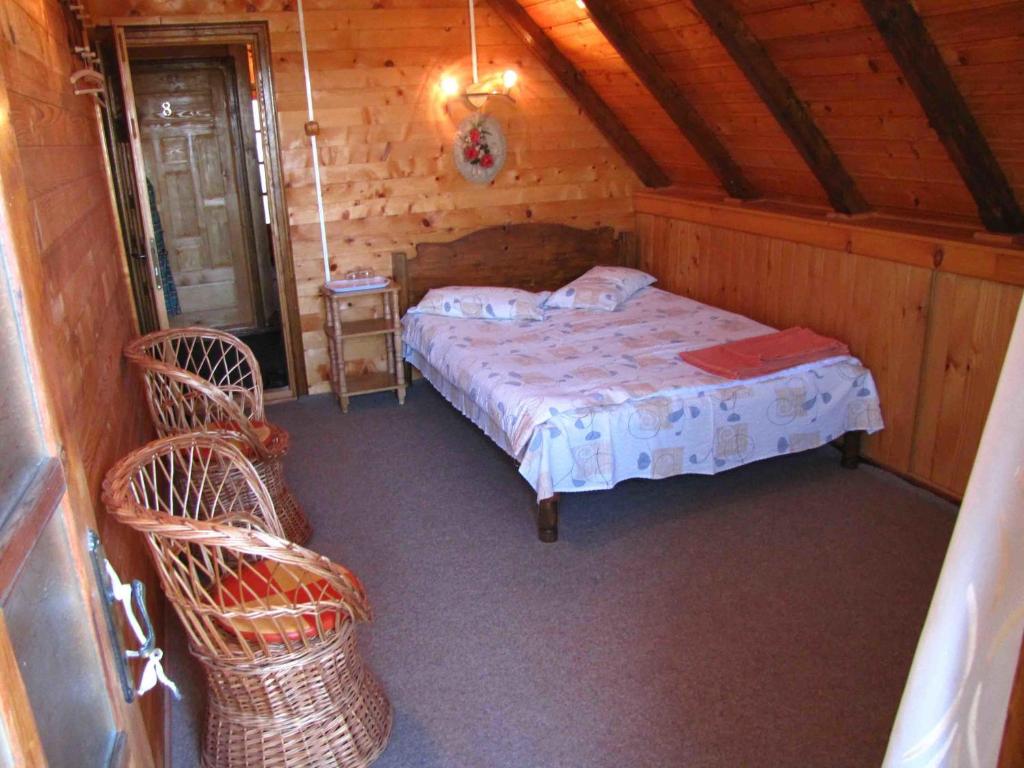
(970, 331)
(389, 181)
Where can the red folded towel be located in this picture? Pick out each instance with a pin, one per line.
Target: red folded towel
(760, 355)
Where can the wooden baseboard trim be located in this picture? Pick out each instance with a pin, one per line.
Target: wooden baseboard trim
(921, 483)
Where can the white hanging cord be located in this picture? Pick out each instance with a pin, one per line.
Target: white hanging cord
(153, 672)
(313, 147)
(472, 41)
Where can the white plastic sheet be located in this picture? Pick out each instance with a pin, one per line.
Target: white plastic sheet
(954, 706)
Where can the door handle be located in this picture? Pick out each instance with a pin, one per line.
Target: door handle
(155, 264)
(131, 598)
(99, 561)
(149, 641)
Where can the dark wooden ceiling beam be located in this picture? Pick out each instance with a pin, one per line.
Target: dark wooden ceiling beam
(582, 93)
(790, 112)
(924, 69)
(676, 105)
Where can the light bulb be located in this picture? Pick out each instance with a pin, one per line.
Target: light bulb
(509, 79)
(449, 86)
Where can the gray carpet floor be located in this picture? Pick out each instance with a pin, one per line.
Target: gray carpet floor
(763, 617)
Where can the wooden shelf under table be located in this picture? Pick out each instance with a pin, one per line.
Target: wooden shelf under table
(364, 383)
(353, 328)
(385, 325)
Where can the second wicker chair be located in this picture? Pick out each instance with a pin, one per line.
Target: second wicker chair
(272, 624)
(200, 379)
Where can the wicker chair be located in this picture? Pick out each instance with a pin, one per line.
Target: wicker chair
(272, 624)
(199, 379)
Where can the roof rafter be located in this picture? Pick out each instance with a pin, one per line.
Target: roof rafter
(676, 105)
(928, 76)
(586, 98)
(790, 112)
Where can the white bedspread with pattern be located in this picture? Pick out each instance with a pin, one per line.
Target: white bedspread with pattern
(586, 399)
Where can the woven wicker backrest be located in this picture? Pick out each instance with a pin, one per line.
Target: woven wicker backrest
(180, 401)
(199, 476)
(235, 582)
(217, 357)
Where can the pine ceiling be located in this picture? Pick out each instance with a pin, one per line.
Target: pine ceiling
(812, 102)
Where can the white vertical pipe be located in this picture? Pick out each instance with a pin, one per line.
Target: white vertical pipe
(313, 146)
(472, 41)
(954, 705)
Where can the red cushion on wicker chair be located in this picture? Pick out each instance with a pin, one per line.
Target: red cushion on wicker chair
(268, 584)
(264, 431)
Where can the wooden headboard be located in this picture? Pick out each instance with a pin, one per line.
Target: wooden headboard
(534, 257)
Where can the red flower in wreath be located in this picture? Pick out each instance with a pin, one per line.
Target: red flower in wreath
(475, 147)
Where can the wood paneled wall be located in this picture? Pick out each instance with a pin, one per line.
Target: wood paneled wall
(930, 315)
(386, 135)
(66, 247)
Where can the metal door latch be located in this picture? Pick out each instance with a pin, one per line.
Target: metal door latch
(131, 597)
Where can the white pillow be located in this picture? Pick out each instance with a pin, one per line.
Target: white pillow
(482, 303)
(600, 288)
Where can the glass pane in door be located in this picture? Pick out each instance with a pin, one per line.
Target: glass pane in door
(52, 635)
(21, 451)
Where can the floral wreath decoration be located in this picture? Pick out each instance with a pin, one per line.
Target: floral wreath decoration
(475, 149)
(479, 148)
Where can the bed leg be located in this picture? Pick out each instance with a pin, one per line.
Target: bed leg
(851, 450)
(547, 519)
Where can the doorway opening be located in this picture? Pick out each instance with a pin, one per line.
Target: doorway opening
(197, 119)
(200, 130)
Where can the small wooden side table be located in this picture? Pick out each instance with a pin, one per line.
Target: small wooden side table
(383, 324)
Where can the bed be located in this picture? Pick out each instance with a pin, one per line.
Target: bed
(585, 399)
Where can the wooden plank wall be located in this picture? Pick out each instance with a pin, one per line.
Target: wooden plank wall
(65, 243)
(934, 338)
(386, 135)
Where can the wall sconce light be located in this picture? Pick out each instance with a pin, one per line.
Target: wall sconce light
(476, 94)
(479, 91)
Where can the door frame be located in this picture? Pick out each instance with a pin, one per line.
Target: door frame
(257, 34)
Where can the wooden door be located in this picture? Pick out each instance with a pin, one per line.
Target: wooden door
(58, 703)
(188, 116)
